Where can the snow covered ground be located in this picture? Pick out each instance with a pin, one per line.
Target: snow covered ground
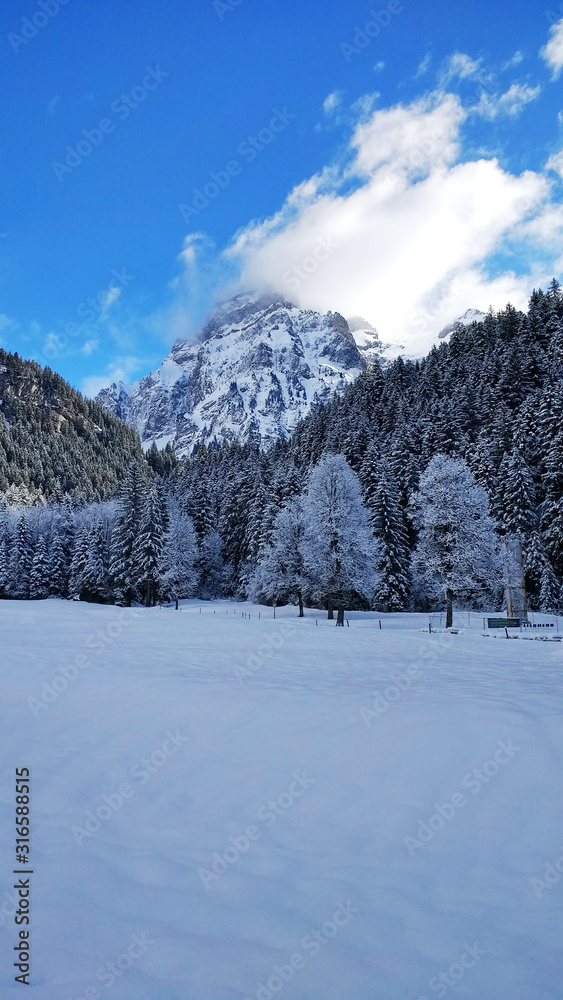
(228, 808)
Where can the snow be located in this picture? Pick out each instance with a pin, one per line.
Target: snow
(269, 345)
(169, 372)
(130, 388)
(366, 338)
(250, 703)
(161, 441)
(470, 316)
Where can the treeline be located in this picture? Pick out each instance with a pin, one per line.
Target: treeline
(326, 546)
(491, 401)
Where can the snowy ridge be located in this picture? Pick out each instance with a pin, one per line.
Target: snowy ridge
(259, 365)
(366, 338)
(469, 317)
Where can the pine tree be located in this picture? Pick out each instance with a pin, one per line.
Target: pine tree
(147, 547)
(78, 564)
(178, 574)
(21, 557)
(516, 510)
(62, 544)
(59, 568)
(519, 513)
(552, 533)
(257, 528)
(553, 465)
(550, 591)
(39, 575)
(534, 559)
(94, 573)
(3, 567)
(393, 563)
(211, 567)
(480, 461)
(125, 530)
(382, 500)
(4, 547)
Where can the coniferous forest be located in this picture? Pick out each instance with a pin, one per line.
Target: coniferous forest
(395, 495)
(55, 443)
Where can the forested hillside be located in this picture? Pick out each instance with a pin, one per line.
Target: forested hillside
(55, 442)
(439, 460)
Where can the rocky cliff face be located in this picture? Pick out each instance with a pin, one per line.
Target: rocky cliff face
(256, 369)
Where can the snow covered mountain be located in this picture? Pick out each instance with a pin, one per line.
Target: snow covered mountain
(469, 317)
(366, 337)
(256, 369)
(369, 344)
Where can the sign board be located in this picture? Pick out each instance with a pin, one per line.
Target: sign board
(503, 623)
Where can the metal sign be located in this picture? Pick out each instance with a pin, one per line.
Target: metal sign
(503, 623)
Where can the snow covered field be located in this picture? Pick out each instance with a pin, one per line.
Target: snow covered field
(228, 808)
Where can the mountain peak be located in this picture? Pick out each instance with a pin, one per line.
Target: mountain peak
(257, 367)
(470, 316)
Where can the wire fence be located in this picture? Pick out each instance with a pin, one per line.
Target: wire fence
(536, 623)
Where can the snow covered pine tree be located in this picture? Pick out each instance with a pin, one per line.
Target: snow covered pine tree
(178, 572)
(457, 551)
(282, 574)
(339, 549)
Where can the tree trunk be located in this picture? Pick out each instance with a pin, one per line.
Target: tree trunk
(330, 607)
(449, 608)
(340, 617)
(300, 599)
(176, 604)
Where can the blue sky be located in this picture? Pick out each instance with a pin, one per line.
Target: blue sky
(420, 151)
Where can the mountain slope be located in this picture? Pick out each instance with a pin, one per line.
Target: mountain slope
(259, 366)
(53, 441)
(470, 316)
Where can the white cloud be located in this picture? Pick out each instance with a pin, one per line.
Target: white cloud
(379, 66)
(423, 66)
(413, 229)
(555, 162)
(193, 244)
(511, 103)
(54, 344)
(516, 59)
(552, 53)
(89, 347)
(331, 102)
(546, 228)
(363, 107)
(410, 138)
(108, 299)
(459, 66)
(120, 370)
